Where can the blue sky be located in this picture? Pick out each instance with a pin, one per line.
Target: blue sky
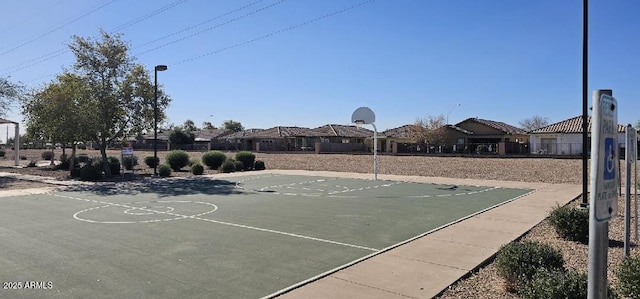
(502, 60)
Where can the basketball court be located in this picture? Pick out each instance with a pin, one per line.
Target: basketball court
(240, 236)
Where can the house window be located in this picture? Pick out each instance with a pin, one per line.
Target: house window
(460, 140)
(345, 140)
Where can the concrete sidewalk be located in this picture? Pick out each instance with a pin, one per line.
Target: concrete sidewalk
(426, 266)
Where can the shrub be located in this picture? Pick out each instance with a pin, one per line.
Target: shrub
(151, 161)
(2, 153)
(239, 165)
(83, 158)
(197, 169)
(193, 162)
(164, 170)
(213, 159)
(629, 277)
(227, 166)
(555, 284)
(81, 146)
(518, 262)
(247, 158)
(259, 165)
(65, 162)
(114, 164)
(481, 149)
(129, 162)
(23, 157)
(32, 163)
(570, 223)
(177, 159)
(48, 155)
(90, 173)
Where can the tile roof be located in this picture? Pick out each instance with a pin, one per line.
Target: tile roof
(399, 132)
(6, 121)
(211, 133)
(506, 128)
(280, 131)
(242, 134)
(333, 130)
(454, 127)
(571, 125)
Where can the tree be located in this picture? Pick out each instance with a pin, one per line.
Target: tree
(122, 97)
(208, 125)
(638, 125)
(180, 136)
(8, 93)
(429, 130)
(56, 112)
(233, 125)
(189, 126)
(534, 123)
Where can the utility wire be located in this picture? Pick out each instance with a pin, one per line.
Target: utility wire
(276, 32)
(210, 28)
(35, 61)
(199, 24)
(57, 28)
(30, 17)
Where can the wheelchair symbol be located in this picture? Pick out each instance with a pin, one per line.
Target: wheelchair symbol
(609, 159)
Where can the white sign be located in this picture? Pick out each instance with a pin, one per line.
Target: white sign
(127, 151)
(604, 158)
(631, 148)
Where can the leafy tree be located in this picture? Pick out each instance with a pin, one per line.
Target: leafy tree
(56, 113)
(180, 136)
(638, 125)
(189, 126)
(8, 93)
(234, 126)
(429, 130)
(534, 123)
(122, 97)
(208, 126)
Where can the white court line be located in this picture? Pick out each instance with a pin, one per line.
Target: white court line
(226, 223)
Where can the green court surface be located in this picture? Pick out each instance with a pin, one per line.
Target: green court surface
(241, 237)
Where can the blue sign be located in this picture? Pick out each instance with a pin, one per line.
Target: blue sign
(609, 159)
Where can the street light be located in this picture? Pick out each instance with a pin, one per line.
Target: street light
(454, 108)
(158, 68)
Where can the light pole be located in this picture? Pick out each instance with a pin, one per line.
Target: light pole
(156, 69)
(454, 108)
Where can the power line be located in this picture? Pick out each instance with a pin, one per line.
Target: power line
(35, 61)
(57, 28)
(210, 28)
(31, 17)
(276, 32)
(199, 24)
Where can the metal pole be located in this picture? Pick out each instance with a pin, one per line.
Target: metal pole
(598, 231)
(155, 121)
(635, 193)
(585, 100)
(375, 152)
(627, 196)
(16, 145)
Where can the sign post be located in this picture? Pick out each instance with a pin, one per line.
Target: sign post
(604, 189)
(127, 152)
(630, 159)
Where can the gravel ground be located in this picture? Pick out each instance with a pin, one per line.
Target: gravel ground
(483, 283)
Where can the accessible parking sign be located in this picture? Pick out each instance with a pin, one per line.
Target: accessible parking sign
(604, 158)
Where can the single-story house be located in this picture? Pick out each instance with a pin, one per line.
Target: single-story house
(565, 137)
(342, 138)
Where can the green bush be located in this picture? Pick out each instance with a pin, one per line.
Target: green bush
(555, 284)
(114, 164)
(65, 162)
(259, 165)
(177, 159)
(129, 162)
(32, 163)
(193, 162)
(48, 155)
(481, 149)
(81, 146)
(23, 157)
(151, 161)
(629, 277)
(213, 159)
(570, 223)
(227, 166)
(247, 159)
(2, 153)
(90, 173)
(197, 169)
(239, 165)
(83, 158)
(164, 170)
(518, 262)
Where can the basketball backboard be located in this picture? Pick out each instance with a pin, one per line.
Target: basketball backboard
(363, 115)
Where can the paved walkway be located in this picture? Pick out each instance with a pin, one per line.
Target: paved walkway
(428, 264)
